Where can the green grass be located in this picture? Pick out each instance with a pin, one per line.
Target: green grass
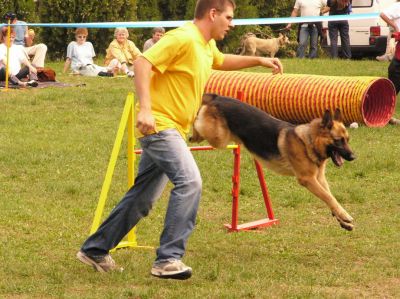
(54, 149)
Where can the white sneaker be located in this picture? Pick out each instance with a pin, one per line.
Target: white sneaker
(101, 263)
(384, 57)
(172, 268)
(130, 74)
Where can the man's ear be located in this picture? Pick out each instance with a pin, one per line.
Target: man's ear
(212, 14)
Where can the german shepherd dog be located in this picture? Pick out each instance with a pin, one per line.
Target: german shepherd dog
(297, 150)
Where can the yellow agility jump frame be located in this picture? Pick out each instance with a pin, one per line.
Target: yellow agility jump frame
(126, 123)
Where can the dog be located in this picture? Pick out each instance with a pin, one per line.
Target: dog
(252, 45)
(287, 149)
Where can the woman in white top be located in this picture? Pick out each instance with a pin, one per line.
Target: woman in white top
(16, 57)
(80, 55)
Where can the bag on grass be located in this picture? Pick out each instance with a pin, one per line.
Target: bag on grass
(46, 74)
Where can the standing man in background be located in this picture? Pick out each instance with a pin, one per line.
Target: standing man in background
(157, 33)
(170, 80)
(24, 37)
(308, 31)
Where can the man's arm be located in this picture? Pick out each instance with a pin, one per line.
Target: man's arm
(28, 38)
(145, 121)
(236, 62)
(294, 14)
(389, 21)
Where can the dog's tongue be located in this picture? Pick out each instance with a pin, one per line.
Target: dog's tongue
(337, 159)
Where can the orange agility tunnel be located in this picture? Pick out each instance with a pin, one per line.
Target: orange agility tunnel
(301, 98)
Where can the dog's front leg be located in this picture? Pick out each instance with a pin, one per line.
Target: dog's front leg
(196, 137)
(322, 179)
(312, 184)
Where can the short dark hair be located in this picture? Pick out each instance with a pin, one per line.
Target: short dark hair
(9, 16)
(202, 6)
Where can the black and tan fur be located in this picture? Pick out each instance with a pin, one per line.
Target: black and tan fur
(301, 151)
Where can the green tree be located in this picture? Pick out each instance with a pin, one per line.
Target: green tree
(25, 9)
(148, 10)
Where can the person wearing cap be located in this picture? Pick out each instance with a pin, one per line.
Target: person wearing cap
(24, 37)
(157, 33)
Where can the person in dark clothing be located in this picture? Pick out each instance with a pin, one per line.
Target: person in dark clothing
(339, 7)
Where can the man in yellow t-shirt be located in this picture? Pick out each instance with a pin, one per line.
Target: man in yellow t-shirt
(169, 98)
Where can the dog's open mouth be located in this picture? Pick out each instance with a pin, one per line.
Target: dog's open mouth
(336, 158)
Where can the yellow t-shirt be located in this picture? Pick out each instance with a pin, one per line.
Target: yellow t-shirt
(182, 61)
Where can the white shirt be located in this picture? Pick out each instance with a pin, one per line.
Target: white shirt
(80, 55)
(17, 56)
(310, 8)
(393, 13)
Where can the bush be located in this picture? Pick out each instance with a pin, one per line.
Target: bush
(25, 9)
(68, 11)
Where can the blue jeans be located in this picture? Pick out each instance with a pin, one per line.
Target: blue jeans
(306, 33)
(341, 27)
(165, 157)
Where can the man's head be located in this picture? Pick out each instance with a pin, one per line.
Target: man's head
(10, 16)
(204, 6)
(157, 33)
(216, 17)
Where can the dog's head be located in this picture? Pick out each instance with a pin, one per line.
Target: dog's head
(336, 138)
(283, 39)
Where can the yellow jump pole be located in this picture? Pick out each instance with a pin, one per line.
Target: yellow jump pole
(8, 44)
(111, 165)
(131, 240)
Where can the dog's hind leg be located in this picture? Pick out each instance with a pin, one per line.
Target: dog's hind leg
(314, 186)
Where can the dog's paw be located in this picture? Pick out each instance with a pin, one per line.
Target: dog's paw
(345, 220)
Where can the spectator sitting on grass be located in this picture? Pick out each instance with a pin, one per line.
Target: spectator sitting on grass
(157, 33)
(121, 53)
(16, 57)
(25, 39)
(80, 55)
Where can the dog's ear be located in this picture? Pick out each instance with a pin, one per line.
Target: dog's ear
(280, 35)
(338, 115)
(327, 121)
(208, 97)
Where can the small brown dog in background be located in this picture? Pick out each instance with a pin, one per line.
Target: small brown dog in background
(252, 45)
(301, 151)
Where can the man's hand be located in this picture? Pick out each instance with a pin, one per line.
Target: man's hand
(274, 63)
(145, 122)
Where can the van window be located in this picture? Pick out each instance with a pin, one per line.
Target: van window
(361, 3)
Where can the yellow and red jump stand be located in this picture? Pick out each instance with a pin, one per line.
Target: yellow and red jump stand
(127, 123)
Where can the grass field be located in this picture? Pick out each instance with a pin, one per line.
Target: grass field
(54, 149)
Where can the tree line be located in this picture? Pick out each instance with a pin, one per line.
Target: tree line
(85, 11)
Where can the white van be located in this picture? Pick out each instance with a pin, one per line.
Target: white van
(367, 37)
